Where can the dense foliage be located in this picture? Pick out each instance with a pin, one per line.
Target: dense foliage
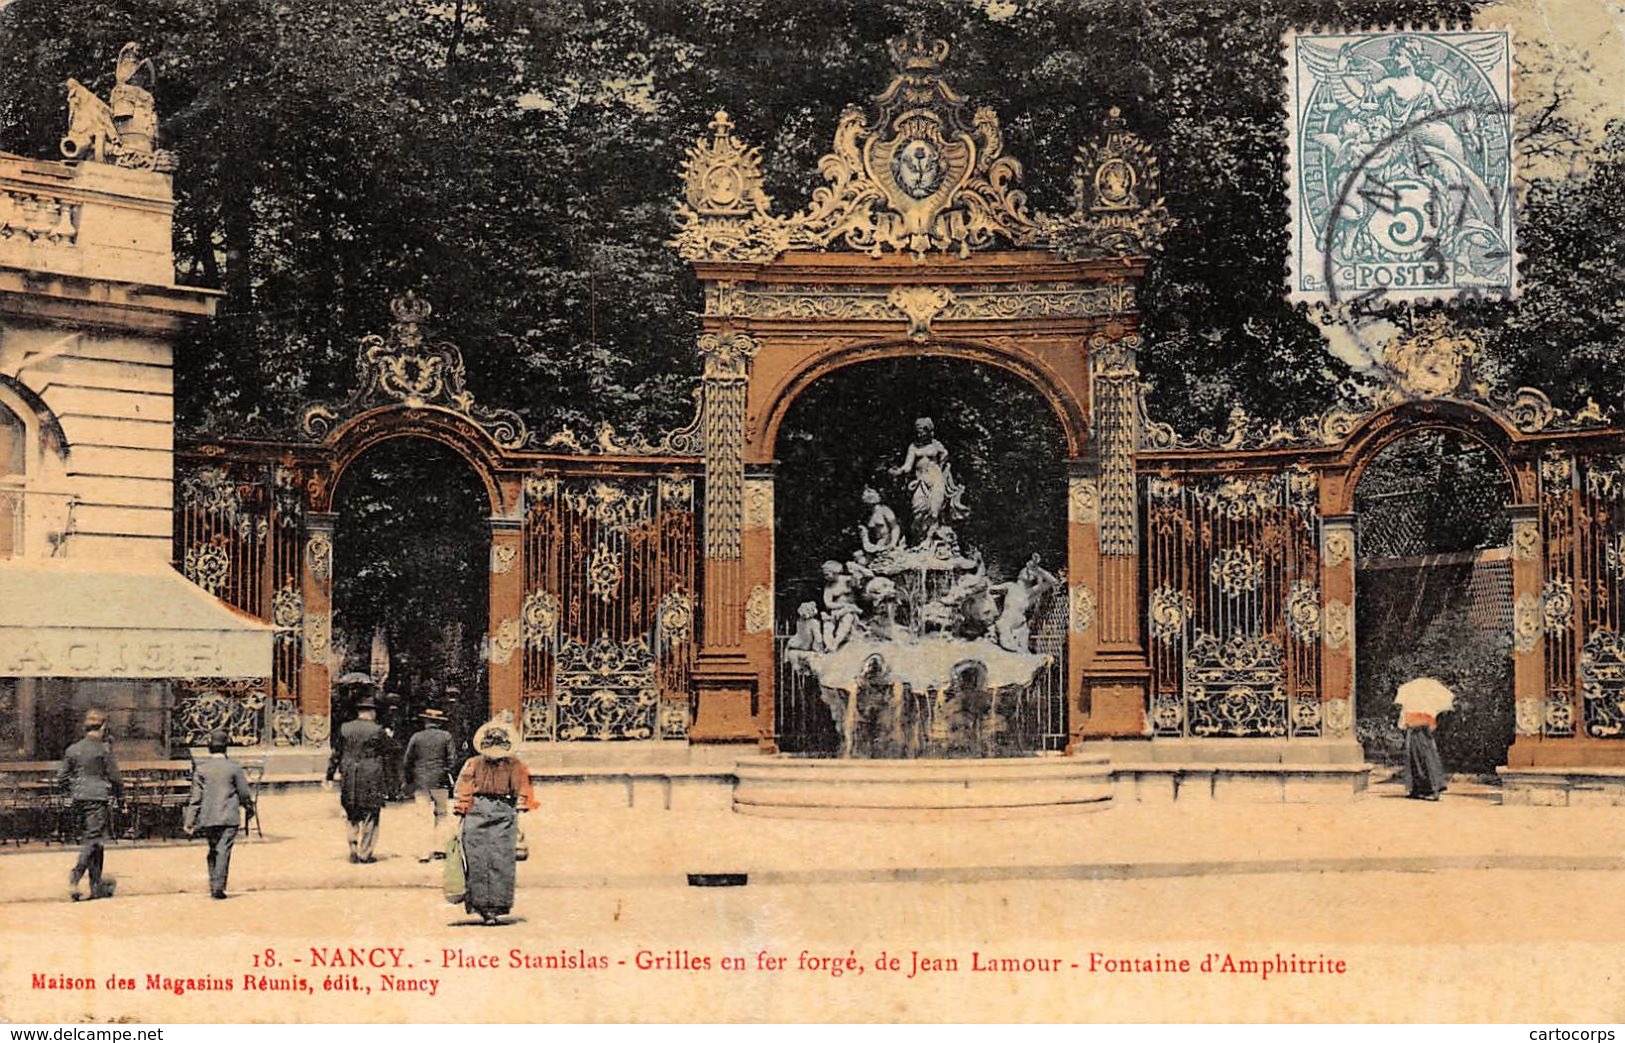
(515, 163)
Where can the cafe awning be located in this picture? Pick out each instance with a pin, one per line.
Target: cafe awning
(68, 618)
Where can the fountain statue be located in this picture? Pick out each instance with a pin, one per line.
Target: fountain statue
(914, 647)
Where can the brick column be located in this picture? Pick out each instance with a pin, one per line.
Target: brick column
(1104, 544)
(316, 590)
(505, 664)
(1528, 636)
(1337, 558)
(730, 672)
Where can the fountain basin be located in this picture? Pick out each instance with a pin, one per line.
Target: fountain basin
(787, 786)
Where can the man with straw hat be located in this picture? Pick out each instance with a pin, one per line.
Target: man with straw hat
(426, 767)
(90, 775)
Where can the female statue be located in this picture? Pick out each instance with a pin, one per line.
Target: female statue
(936, 494)
(879, 532)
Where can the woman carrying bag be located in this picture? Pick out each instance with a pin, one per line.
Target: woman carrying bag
(492, 789)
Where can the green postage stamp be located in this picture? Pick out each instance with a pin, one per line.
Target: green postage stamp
(1400, 165)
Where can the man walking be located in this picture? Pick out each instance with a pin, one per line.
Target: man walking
(426, 767)
(219, 794)
(361, 760)
(91, 778)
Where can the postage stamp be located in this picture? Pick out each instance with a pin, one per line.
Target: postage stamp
(1400, 165)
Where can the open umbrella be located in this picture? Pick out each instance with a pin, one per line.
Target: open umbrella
(1425, 695)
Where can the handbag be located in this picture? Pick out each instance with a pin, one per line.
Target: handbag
(456, 881)
(521, 846)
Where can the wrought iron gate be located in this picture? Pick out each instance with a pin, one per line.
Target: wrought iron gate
(609, 611)
(1234, 604)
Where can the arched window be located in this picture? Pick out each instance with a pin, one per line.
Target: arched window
(13, 464)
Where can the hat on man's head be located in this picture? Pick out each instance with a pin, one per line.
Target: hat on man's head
(431, 714)
(219, 740)
(367, 702)
(94, 719)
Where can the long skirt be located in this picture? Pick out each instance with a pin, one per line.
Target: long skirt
(489, 831)
(1424, 770)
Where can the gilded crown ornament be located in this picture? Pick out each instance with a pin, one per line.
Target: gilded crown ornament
(920, 172)
(403, 369)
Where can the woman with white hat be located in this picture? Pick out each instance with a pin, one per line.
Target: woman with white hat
(492, 789)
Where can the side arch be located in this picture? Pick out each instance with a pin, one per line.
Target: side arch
(374, 427)
(1067, 402)
(1385, 427)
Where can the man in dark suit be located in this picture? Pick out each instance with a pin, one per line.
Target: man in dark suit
(426, 767)
(91, 778)
(219, 794)
(361, 760)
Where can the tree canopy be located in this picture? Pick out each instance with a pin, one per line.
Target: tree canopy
(515, 164)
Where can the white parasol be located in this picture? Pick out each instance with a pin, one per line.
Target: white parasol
(1424, 695)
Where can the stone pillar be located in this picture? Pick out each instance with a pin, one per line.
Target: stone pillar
(316, 589)
(729, 672)
(505, 667)
(1104, 545)
(1528, 635)
(1337, 558)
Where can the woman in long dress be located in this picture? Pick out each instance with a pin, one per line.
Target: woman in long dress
(1424, 768)
(492, 789)
(936, 494)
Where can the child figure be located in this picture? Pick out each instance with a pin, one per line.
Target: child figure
(841, 608)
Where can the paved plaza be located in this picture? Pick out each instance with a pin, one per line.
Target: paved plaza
(1090, 913)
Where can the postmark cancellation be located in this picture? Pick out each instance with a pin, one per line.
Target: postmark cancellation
(1400, 165)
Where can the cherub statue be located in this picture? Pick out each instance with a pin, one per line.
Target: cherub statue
(841, 610)
(879, 532)
(809, 635)
(1012, 629)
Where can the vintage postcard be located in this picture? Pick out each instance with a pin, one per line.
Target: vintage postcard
(750, 512)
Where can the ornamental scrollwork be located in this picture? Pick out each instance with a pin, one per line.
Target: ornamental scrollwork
(404, 369)
(1528, 715)
(503, 556)
(1239, 496)
(318, 633)
(287, 608)
(1336, 546)
(1527, 623)
(1117, 204)
(1557, 606)
(610, 505)
(920, 304)
(974, 301)
(319, 555)
(759, 610)
(1235, 686)
(1602, 684)
(203, 706)
(504, 642)
(605, 690)
(539, 613)
(1237, 571)
(318, 727)
(285, 723)
(1082, 501)
(534, 718)
(604, 571)
(921, 172)
(1303, 610)
(1525, 539)
(1338, 716)
(1430, 362)
(1169, 611)
(1559, 714)
(208, 566)
(675, 618)
(758, 503)
(210, 490)
(1337, 625)
(1081, 608)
